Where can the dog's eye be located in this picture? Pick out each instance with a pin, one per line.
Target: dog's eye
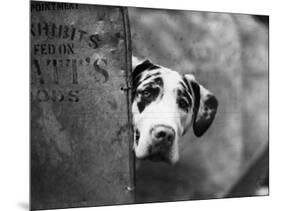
(146, 93)
(183, 104)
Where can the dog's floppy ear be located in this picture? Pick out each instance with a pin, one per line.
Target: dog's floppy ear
(135, 62)
(205, 106)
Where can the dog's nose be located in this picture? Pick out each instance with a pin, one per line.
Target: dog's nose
(163, 135)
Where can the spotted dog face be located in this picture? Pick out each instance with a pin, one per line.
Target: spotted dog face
(165, 105)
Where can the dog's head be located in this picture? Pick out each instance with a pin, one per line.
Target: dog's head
(165, 105)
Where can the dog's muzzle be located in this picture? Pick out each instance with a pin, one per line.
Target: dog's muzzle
(163, 138)
(163, 135)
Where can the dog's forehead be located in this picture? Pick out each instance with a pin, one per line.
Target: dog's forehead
(171, 79)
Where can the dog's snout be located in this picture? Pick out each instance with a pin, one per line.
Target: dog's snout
(163, 134)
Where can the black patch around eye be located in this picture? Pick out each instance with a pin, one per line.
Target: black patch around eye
(159, 81)
(183, 104)
(145, 100)
(183, 93)
(137, 73)
(187, 96)
(141, 105)
(183, 100)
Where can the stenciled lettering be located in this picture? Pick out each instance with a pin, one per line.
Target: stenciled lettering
(64, 32)
(53, 49)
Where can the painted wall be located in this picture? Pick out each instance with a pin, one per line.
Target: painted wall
(79, 125)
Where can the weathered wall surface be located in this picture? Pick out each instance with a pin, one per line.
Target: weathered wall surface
(229, 55)
(79, 123)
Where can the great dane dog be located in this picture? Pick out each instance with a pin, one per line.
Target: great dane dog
(165, 105)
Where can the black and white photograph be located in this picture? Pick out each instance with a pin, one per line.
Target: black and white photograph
(143, 105)
(133, 105)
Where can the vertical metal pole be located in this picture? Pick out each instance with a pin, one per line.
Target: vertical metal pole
(128, 57)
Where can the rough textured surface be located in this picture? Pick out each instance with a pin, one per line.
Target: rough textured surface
(229, 55)
(79, 125)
